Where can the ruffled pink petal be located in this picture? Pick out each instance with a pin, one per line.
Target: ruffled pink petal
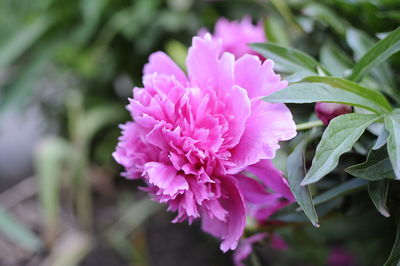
(271, 177)
(166, 178)
(161, 63)
(259, 79)
(268, 124)
(231, 230)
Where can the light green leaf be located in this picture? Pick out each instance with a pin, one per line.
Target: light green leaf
(394, 257)
(18, 233)
(376, 167)
(380, 52)
(377, 191)
(341, 190)
(382, 139)
(392, 124)
(338, 138)
(295, 173)
(286, 59)
(327, 89)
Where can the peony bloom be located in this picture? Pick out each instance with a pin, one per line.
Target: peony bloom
(236, 35)
(194, 137)
(328, 111)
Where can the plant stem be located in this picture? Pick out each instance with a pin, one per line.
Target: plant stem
(308, 125)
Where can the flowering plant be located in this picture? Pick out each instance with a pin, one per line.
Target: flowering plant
(203, 142)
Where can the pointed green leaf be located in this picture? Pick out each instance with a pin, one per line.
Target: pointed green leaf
(377, 191)
(382, 75)
(376, 167)
(392, 124)
(328, 89)
(341, 190)
(380, 52)
(394, 257)
(344, 84)
(338, 138)
(287, 59)
(296, 172)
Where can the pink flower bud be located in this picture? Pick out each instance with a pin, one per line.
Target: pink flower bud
(328, 111)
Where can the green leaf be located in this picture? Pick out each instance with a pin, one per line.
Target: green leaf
(295, 173)
(377, 191)
(287, 59)
(344, 84)
(382, 139)
(376, 167)
(381, 51)
(338, 138)
(18, 233)
(382, 75)
(341, 190)
(329, 89)
(178, 52)
(394, 256)
(392, 124)
(334, 59)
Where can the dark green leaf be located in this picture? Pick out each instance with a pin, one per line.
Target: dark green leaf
(376, 167)
(381, 51)
(377, 191)
(296, 172)
(287, 59)
(394, 256)
(341, 190)
(338, 138)
(392, 124)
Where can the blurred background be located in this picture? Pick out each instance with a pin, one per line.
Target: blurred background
(66, 71)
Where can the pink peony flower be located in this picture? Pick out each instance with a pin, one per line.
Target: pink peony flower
(194, 136)
(328, 111)
(236, 35)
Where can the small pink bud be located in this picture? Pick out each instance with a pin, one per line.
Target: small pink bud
(328, 111)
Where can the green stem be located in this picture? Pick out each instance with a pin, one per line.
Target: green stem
(308, 125)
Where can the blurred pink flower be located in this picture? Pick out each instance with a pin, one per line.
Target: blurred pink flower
(340, 257)
(194, 135)
(236, 35)
(245, 248)
(328, 111)
(278, 243)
